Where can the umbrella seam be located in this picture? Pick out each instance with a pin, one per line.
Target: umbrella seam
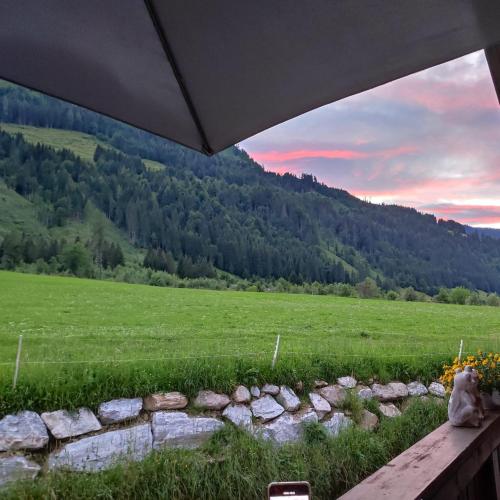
(178, 76)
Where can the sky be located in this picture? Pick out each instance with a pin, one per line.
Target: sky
(429, 141)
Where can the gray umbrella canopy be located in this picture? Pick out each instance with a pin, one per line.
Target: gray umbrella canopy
(209, 73)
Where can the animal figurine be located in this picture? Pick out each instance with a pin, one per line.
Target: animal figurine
(465, 408)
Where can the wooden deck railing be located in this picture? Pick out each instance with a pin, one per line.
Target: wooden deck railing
(449, 463)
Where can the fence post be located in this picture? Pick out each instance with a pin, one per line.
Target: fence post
(460, 351)
(18, 360)
(276, 351)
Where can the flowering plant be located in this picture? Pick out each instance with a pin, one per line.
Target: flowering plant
(487, 366)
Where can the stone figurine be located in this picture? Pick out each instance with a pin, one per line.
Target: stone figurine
(465, 407)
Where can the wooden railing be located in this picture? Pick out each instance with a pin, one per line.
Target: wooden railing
(449, 463)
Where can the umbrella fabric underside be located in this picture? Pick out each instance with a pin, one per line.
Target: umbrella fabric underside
(208, 74)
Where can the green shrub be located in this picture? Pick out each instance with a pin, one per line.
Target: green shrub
(459, 295)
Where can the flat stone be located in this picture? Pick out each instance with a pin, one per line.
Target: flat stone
(96, 453)
(239, 414)
(241, 395)
(287, 428)
(17, 468)
(437, 389)
(165, 401)
(318, 384)
(368, 420)
(24, 431)
(389, 410)
(320, 404)
(416, 389)
(266, 408)
(255, 391)
(119, 410)
(363, 392)
(337, 423)
(347, 382)
(64, 424)
(288, 399)
(334, 394)
(389, 392)
(179, 430)
(400, 389)
(270, 389)
(209, 400)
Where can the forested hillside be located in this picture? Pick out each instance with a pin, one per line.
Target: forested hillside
(193, 214)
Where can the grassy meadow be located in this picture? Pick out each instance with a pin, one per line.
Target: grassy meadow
(82, 145)
(86, 340)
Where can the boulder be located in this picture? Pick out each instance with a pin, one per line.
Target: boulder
(337, 423)
(383, 392)
(400, 390)
(270, 389)
(209, 400)
(389, 410)
(64, 424)
(320, 404)
(119, 410)
(389, 392)
(416, 389)
(24, 431)
(239, 414)
(334, 394)
(17, 468)
(179, 430)
(368, 420)
(287, 428)
(255, 391)
(288, 399)
(363, 392)
(241, 395)
(437, 389)
(266, 408)
(347, 382)
(165, 401)
(96, 453)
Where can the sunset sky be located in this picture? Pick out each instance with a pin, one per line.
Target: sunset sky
(429, 141)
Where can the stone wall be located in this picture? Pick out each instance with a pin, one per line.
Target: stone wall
(130, 429)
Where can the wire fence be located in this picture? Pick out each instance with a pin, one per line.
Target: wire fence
(37, 350)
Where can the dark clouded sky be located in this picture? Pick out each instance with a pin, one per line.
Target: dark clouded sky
(429, 141)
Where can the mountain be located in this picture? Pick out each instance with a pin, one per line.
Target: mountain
(66, 170)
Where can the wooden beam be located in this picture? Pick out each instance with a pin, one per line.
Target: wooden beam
(493, 58)
(438, 467)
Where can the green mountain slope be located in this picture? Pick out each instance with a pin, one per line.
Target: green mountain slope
(224, 211)
(17, 213)
(82, 145)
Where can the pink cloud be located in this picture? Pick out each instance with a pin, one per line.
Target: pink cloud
(444, 96)
(343, 154)
(413, 189)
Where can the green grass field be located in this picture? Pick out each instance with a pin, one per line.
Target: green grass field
(80, 144)
(84, 340)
